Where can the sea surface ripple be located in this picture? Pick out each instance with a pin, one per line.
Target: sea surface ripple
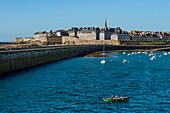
(78, 85)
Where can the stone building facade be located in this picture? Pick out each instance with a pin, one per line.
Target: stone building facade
(94, 33)
(48, 37)
(73, 32)
(105, 34)
(24, 39)
(88, 33)
(61, 33)
(120, 37)
(54, 40)
(165, 38)
(145, 38)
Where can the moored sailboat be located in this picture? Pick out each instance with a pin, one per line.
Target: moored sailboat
(103, 61)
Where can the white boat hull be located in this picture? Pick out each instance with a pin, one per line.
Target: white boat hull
(103, 61)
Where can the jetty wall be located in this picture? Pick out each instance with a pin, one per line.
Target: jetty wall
(19, 59)
(23, 58)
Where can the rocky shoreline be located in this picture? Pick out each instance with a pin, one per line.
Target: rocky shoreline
(100, 53)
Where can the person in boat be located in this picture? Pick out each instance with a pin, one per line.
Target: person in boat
(111, 97)
(121, 97)
(116, 97)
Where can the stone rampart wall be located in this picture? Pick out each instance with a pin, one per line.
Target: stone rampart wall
(19, 59)
(77, 41)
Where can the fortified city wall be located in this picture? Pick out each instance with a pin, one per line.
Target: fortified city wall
(74, 40)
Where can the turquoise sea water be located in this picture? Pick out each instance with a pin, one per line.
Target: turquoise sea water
(78, 84)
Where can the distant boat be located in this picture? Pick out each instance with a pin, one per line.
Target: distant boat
(153, 58)
(116, 99)
(139, 52)
(151, 54)
(133, 53)
(145, 53)
(128, 54)
(103, 61)
(165, 53)
(125, 61)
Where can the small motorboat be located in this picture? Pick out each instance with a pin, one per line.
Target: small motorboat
(165, 53)
(116, 99)
(128, 54)
(125, 61)
(153, 58)
(102, 61)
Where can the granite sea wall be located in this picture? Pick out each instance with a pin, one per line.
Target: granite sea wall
(23, 58)
(19, 59)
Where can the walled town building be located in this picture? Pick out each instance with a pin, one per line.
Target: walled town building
(61, 33)
(22, 40)
(150, 36)
(120, 37)
(48, 37)
(105, 33)
(94, 33)
(88, 33)
(165, 38)
(73, 32)
(145, 38)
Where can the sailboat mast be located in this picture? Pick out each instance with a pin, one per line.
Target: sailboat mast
(103, 48)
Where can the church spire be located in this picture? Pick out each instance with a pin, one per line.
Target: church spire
(105, 25)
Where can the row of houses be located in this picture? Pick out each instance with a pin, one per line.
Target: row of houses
(88, 34)
(94, 33)
(85, 34)
(42, 38)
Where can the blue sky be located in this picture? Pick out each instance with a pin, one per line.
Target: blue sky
(22, 18)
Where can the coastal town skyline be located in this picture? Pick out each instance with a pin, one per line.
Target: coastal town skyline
(24, 18)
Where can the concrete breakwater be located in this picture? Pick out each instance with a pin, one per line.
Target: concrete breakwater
(24, 58)
(19, 59)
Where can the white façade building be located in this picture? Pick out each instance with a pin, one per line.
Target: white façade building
(120, 37)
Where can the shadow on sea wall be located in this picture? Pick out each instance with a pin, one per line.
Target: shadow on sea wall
(20, 59)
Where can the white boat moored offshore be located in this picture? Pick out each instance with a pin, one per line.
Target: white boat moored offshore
(139, 52)
(151, 54)
(165, 53)
(145, 53)
(103, 61)
(125, 61)
(128, 54)
(153, 58)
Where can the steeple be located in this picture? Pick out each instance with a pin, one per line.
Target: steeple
(105, 25)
